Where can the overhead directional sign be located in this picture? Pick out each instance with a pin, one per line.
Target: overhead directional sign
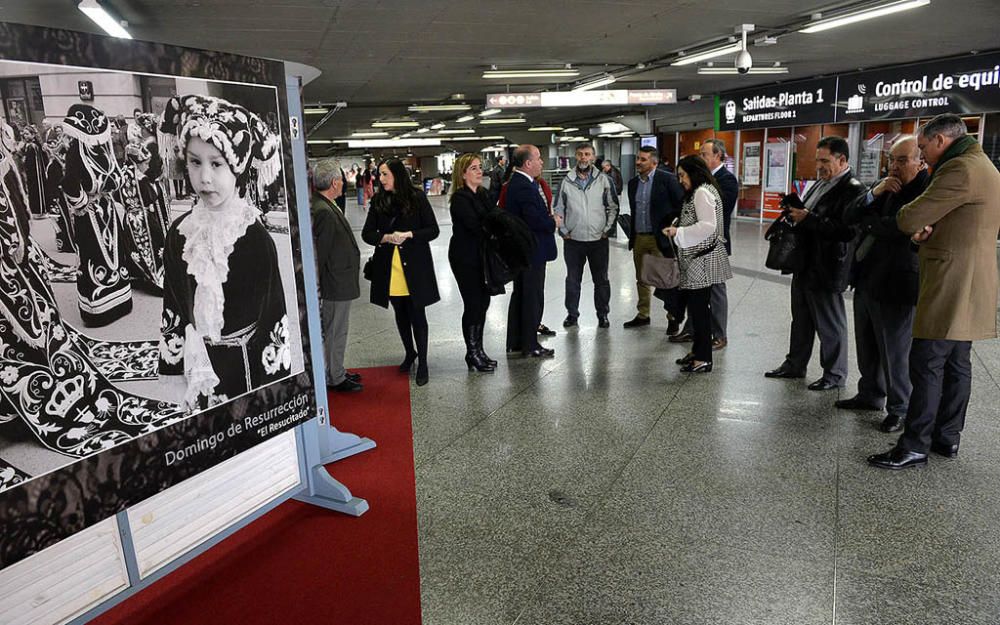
(605, 97)
(792, 104)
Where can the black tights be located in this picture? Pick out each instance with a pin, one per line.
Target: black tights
(411, 321)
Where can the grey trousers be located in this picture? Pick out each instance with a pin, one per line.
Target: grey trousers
(883, 333)
(335, 317)
(941, 372)
(820, 313)
(719, 307)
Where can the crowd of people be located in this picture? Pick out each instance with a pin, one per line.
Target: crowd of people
(917, 247)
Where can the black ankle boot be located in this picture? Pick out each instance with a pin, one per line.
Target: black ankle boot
(477, 335)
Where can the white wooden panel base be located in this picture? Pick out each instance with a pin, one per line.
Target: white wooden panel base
(173, 522)
(67, 579)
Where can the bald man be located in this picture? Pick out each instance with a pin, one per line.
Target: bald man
(886, 284)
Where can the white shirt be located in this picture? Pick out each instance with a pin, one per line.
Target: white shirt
(704, 208)
(716, 170)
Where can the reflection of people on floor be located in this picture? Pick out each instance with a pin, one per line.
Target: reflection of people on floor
(45, 380)
(143, 220)
(56, 146)
(33, 170)
(224, 320)
(92, 177)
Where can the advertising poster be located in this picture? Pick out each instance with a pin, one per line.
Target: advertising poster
(751, 164)
(152, 319)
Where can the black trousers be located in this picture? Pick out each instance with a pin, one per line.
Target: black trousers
(700, 314)
(475, 299)
(411, 322)
(822, 313)
(883, 332)
(719, 305)
(941, 373)
(578, 253)
(525, 310)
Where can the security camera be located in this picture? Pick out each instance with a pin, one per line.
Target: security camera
(743, 62)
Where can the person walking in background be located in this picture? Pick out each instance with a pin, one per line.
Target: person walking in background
(614, 174)
(886, 282)
(401, 225)
(338, 261)
(817, 297)
(524, 200)
(469, 204)
(701, 255)
(587, 205)
(955, 221)
(498, 176)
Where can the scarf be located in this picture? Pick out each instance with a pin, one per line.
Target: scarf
(957, 148)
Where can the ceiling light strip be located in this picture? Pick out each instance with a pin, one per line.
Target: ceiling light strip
(688, 59)
(865, 14)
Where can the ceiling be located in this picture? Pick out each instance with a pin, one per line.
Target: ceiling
(379, 56)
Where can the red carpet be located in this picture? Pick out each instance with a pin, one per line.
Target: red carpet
(304, 565)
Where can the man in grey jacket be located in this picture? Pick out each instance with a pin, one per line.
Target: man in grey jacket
(337, 261)
(587, 202)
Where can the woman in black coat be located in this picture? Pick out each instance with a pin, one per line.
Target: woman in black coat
(469, 204)
(401, 224)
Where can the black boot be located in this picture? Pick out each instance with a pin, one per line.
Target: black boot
(472, 351)
(477, 333)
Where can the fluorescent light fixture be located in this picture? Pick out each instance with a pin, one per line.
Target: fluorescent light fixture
(402, 123)
(315, 110)
(457, 131)
(319, 141)
(366, 133)
(429, 108)
(570, 129)
(717, 71)
(100, 16)
(488, 112)
(614, 128)
(421, 131)
(864, 14)
(393, 143)
(465, 118)
(531, 73)
(600, 81)
(545, 129)
(438, 126)
(503, 120)
(491, 138)
(729, 48)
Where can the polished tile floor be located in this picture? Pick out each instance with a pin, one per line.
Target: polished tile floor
(603, 486)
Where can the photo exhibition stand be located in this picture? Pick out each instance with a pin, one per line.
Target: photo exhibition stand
(317, 441)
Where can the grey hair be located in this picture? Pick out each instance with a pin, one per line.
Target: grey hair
(718, 147)
(325, 172)
(901, 139)
(947, 125)
(586, 146)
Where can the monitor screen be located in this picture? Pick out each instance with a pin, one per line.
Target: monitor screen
(648, 140)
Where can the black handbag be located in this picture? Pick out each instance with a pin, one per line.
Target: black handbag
(625, 222)
(782, 251)
(366, 271)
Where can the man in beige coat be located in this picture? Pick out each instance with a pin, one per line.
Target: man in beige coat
(955, 221)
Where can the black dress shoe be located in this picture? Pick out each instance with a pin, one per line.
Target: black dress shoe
(350, 375)
(422, 376)
(681, 337)
(673, 327)
(948, 451)
(686, 359)
(347, 386)
(541, 352)
(404, 367)
(854, 403)
(783, 373)
(896, 459)
(544, 330)
(636, 322)
(892, 423)
(569, 322)
(602, 322)
(705, 367)
(823, 384)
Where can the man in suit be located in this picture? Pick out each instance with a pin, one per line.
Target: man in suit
(497, 177)
(713, 152)
(655, 197)
(885, 282)
(824, 242)
(955, 221)
(524, 199)
(337, 261)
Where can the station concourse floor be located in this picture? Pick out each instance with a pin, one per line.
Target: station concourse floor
(603, 486)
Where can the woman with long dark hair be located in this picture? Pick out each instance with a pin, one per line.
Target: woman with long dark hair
(469, 204)
(401, 225)
(701, 254)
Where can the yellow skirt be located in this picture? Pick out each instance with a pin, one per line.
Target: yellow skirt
(397, 279)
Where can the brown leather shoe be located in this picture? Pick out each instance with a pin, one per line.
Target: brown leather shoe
(681, 337)
(718, 344)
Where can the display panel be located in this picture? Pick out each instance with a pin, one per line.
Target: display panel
(152, 318)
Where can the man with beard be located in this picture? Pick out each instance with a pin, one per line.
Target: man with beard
(588, 206)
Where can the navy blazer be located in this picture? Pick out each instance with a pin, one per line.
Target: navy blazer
(665, 201)
(730, 191)
(525, 201)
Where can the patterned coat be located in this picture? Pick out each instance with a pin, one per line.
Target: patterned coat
(705, 262)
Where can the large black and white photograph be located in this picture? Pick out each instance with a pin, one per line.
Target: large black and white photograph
(146, 271)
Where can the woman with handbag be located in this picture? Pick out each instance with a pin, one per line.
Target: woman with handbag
(469, 204)
(401, 225)
(701, 254)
